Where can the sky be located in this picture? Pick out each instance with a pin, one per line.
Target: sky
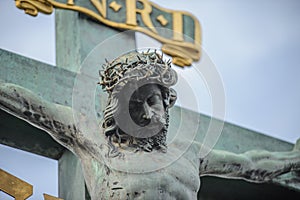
(254, 45)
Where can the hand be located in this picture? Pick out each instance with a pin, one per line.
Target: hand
(297, 146)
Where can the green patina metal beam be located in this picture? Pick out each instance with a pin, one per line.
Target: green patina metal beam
(233, 138)
(76, 37)
(43, 79)
(71, 180)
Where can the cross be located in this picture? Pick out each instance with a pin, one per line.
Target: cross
(63, 80)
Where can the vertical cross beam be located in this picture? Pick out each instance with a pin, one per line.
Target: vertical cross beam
(76, 36)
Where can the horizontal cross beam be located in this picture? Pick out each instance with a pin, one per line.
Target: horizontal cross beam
(51, 82)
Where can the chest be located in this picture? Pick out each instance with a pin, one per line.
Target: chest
(178, 180)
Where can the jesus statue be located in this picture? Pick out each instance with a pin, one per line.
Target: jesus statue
(131, 158)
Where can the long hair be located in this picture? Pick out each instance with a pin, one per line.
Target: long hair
(127, 69)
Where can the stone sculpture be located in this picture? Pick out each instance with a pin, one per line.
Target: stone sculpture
(131, 159)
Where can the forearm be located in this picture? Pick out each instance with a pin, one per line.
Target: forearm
(256, 166)
(224, 164)
(269, 165)
(55, 119)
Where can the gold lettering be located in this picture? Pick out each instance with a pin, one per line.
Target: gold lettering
(177, 26)
(101, 7)
(131, 11)
(186, 51)
(70, 2)
(14, 186)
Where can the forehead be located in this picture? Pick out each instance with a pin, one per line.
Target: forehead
(146, 91)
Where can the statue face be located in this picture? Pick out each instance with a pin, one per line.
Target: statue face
(137, 116)
(146, 106)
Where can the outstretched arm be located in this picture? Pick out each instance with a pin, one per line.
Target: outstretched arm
(254, 166)
(57, 120)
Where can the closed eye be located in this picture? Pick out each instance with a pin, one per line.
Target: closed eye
(155, 99)
(134, 104)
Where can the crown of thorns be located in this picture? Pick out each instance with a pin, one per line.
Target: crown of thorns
(136, 66)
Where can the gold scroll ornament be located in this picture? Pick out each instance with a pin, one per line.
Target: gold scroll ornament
(18, 188)
(183, 52)
(33, 7)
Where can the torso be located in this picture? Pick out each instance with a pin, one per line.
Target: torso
(179, 180)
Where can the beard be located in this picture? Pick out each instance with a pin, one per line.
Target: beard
(155, 142)
(147, 144)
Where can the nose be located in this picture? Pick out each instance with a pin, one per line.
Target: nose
(147, 111)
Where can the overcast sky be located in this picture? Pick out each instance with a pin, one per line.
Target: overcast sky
(255, 46)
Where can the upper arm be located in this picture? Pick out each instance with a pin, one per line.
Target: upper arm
(55, 119)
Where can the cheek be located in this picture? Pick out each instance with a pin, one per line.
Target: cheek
(159, 109)
(135, 111)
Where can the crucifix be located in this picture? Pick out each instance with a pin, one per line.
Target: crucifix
(127, 159)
